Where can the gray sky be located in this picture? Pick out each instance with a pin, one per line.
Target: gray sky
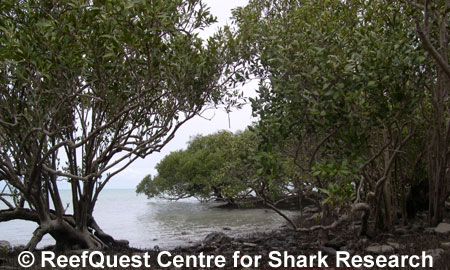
(239, 119)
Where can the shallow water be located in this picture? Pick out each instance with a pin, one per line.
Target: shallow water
(146, 223)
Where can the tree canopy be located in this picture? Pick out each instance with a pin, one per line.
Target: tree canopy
(207, 169)
(88, 87)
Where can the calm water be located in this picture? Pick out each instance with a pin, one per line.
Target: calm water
(146, 223)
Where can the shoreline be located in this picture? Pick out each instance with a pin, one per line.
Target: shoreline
(411, 240)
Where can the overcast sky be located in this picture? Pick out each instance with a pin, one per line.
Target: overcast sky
(239, 119)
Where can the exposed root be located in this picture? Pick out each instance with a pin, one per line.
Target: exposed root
(37, 237)
(64, 230)
(101, 235)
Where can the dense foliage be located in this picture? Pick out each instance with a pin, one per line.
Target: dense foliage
(87, 87)
(218, 166)
(353, 92)
(194, 172)
(352, 106)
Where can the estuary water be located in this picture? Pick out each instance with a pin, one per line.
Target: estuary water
(146, 223)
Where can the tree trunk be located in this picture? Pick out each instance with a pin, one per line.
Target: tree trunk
(435, 41)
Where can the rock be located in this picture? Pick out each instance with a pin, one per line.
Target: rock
(123, 243)
(445, 245)
(401, 231)
(336, 243)
(310, 210)
(328, 251)
(435, 253)
(429, 230)
(394, 245)
(226, 228)
(216, 237)
(184, 233)
(443, 228)
(5, 245)
(380, 249)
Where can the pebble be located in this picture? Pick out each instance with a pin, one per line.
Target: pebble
(216, 237)
(443, 228)
(435, 253)
(380, 249)
(328, 250)
(394, 245)
(336, 243)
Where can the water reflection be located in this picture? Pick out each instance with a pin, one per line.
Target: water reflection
(146, 223)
